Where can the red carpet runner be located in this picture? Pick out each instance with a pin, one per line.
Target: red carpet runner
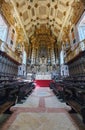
(43, 83)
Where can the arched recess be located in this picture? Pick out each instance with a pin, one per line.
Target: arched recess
(3, 29)
(81, 27)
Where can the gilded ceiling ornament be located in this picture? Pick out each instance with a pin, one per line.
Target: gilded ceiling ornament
(20, 13)
(66, 31)
(55, 6)
(17, 4)
(36, 5)
(46, 14)
(42, 35)
(64, 13)
(60, 25)
(83, 1)
(1, 2)
(7, 10)
(56, 31)
(48, 5)
(76, 5)
(52, 25)
(37, 23)
(20, 35)
(47, 17)
(37, 18)
(67, 4)
(77, 10)
(31, 19)
(33, 25)
(29, 7)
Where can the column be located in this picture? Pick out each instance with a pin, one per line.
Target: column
(52, 55)
(33, 55)
(37, 55)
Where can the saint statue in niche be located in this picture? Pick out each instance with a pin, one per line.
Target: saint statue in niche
(42, 51)
(44, 59)
(43, 54)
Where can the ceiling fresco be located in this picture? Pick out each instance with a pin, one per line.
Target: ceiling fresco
(57, 15)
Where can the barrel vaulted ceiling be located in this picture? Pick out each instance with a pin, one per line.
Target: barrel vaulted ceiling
(56, 14)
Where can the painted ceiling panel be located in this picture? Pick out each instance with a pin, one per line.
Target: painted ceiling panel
(52, 13)
(42, 10)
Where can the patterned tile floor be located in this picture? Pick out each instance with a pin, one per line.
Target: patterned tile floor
(42, 111)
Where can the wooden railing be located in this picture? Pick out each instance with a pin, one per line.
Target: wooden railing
(4, 47)
(71, 54)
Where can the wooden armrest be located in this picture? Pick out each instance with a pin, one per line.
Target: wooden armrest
(5, 106)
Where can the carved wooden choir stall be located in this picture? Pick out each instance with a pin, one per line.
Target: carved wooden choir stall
(12, 90)
(71, 89)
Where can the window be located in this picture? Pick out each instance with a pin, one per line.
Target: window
(81, 27)
(24, 57)
(73, 35)
(12, 37)
(11, 42)
(3, 29)
(61, 57)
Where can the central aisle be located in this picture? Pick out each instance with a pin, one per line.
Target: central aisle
(42, 99)
(41, 111)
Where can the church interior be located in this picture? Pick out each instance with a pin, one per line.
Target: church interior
(42, 64)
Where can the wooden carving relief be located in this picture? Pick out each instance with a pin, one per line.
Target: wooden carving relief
(77, 10)
(7, 12)
(83, 1)
(20, 35)
(43, 30)
(66, 31)
(42, 35)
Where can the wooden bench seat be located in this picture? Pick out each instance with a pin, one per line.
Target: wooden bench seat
(5, 106)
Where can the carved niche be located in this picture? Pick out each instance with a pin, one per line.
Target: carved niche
(77, 11)
(83, 1)
(7, 10)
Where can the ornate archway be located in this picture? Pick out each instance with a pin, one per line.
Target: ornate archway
(42, 44)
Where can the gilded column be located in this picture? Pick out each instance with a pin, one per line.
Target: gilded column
(33, 53)
(36, 55)
(83, 1)
(52, 55)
